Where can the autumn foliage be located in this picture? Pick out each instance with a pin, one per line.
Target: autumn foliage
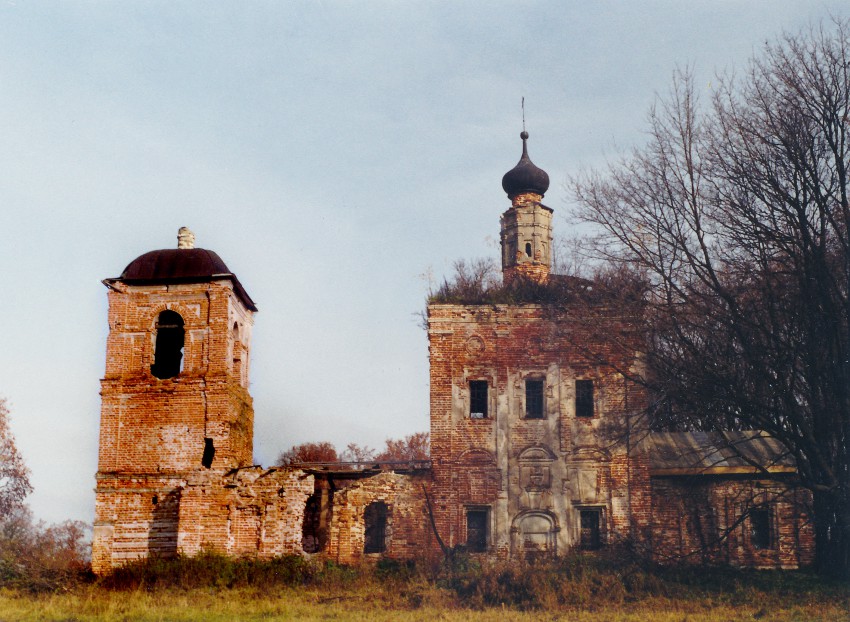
(14, 474)
(415, 446)
(34, 556)
(412, 447)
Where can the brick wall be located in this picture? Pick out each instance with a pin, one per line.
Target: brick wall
(531, 479)
(704, 519)
(532, 473)
(136, 516)
(150, 425)
(251, 512)
(408, 530)
(246, 512)
(154, 432)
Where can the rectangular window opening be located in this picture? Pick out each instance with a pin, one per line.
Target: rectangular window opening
(477, 529)
(590, 539)
(209, 453)
(534, 399)
(760, 528)
(477, 399)
(375, 518)
(584, 398)
(313, 532)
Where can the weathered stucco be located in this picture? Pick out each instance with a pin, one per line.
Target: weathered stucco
(533, 475)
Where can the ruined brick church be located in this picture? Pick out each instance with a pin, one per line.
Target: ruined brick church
(538, 443)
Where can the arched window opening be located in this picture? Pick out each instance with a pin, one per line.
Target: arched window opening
(237, 350)
(536, 535)
(375, 518)
(168, 350)
(528, 249)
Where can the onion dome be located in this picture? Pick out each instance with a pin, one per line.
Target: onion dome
(525, 176)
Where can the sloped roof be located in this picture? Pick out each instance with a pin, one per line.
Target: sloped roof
(711, 453)
(170, 264)
(182, 265)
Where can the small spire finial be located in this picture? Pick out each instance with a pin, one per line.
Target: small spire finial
(523, 113)
(185, 238)
(523, 134)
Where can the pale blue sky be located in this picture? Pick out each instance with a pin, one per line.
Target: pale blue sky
(330, 152)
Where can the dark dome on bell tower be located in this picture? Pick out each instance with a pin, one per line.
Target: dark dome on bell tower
(525, 176)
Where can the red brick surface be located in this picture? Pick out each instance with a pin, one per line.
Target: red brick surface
(532, 477)
(703, 520)
(152, 431)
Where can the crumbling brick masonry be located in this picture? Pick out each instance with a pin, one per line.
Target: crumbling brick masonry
(539, 444)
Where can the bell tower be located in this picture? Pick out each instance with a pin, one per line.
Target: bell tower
(175, 401)
(526, 228)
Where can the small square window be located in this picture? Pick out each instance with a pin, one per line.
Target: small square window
(477, 530)
(590, 538)
(760, 528)
(584, 398)
(534, 399)
(477, 399)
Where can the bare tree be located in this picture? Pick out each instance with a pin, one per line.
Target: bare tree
(42, 557)
(14, 474)
(357, 453)
(737, 213)
(471, 281)
(308, 452)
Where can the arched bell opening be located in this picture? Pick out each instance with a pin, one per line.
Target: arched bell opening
(168, 347)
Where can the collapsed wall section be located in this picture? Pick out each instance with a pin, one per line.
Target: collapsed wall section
(250, 512)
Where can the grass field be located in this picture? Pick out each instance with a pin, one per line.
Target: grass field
(96, 604)
(214, 588)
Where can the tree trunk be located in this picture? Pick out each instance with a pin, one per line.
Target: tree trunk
(832, 534)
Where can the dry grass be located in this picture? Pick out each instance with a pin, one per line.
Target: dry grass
(93, 603)
(211, 587)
